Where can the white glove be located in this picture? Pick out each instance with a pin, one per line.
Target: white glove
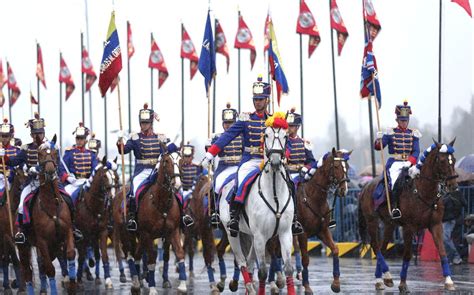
(2, 152)
(207, 159)
(121, 135)
(71, 179)
(310, 174)
(379, 134)
(33, 170)
(413, 171)
(303, 171)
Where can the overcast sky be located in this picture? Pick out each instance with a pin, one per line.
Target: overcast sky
(406, 51)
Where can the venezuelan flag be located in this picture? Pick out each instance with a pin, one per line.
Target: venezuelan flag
(111, 64)
(276, 67)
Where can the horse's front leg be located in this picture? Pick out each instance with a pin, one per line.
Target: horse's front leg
(24, 252)
(221, 246)
(407, 253)
(381, 266)
(209, 250)
(286, 241)
(189, 249)
(49, 269)
(437, 232)
(105, 259)
(326, 238)
(71, 262)
(259, 246)
(303, 242)
(147, 244)
(178, 250)
(166, 259)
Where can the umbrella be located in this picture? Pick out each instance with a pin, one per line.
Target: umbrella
(464, 176)
(466, 163)
(367, 170)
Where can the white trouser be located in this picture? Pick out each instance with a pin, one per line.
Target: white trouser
(219, 181)
(2, 182)
(187, 194)
(137, 180)
(294, 176)
(71, 188)
(395, 169)
(246, 168)
(34, 184)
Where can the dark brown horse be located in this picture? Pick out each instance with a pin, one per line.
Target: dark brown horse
(51, 225)
(313, 209)
(201, 229)
(7, 247)
(92, 218)
(421, 206)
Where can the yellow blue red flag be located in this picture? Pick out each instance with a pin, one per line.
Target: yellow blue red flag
(276, 67)
(111, 64)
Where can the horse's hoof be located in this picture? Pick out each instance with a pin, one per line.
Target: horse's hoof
(153, 291)
(250, 289)
(72, 288)
(403, 289)
(191, 274)
(14, 284)
(182, 288)
(221, 285)
(280, 281)
(108, 284)
(80, 286)
(135, 290)
(97, 281)
(91, 262)
(123, 278)
(43, 292)
(308, 292)
(166, 285)
(233, 285)
(299, 276)
(274, 289)
(89, 276)
(379, 286)
(22, 292)
(449, 287)
(336, 287)
(8, 291)
(388, 282)
(214, 289)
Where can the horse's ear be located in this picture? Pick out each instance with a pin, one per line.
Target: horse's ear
(334, 152)
(435, 142)
(104, 161)
(54, 139)
(349, 152)
(115, 160)
(452, 142)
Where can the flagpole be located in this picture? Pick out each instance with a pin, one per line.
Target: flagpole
(82, 81)
(130, 174)
(238, 71)
(214, 85)
(60, 108)
(182, 92)
(122, 152)
(372, 152)
(151, 77)
(334, 84)
(87, 40)
(105, 125)
(439, 68)
(7, 191)
(37, 82)
(10, 105)
(301, 84)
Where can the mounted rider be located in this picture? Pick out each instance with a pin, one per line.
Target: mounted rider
(190, 173)
(229, 158)
(403, 147)
(252, 128)
(147, 146)
(94, 144)
(7, 132)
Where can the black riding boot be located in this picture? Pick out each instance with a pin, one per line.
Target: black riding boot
(396, 213)
(215, 218)
(233, 225)
(186, 219)
(296, 227)
(20, 237)
(75, 232)
(132, 214)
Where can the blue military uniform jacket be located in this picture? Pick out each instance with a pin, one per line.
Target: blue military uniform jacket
(80, 161)
(403, 144)
(251, 127)
(10, 151)
(146, 149)
(299, 154)
(230, 155)
(190, 174)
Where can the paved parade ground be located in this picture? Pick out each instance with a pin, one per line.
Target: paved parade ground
(356, 278)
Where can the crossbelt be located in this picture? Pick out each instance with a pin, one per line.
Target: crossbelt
(147, 161)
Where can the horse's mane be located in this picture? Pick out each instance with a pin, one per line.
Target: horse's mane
(445, 149)
(345, 155)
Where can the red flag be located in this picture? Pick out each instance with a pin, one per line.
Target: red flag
(370, 19)
(337, 24)
(33, 99)
(15, 90)
(221, 43)
(2, 75)
(88, 69)
(464, 4)
(39, 65)
(114, 84)
(66, 78)
(244, 39)
(266, 34)
(307, 25)
(130, 48)
(188, 51)
(157, 61)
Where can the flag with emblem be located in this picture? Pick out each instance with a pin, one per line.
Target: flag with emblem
(12, 86)
(306, 25)
(338, 25)
(188, 51)
(464, 4)
(2, 83)
(276, 66)
(207, 60)
(157, 61)
(33, 99)
(266, 34)
(244, 40)
(66, 77)
(130, 48)
(111, 64)
(370, 19)
(221, 43)
(87, 69)
(39, 65)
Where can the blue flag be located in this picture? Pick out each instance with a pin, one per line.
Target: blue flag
(207, 60)
(276, 67)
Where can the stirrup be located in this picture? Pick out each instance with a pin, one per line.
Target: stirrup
(132, 225)
(297, 228)
(396, 213)
(332, 223)
(77, 235)
(188, 220)
(215, 219)
(20, 238)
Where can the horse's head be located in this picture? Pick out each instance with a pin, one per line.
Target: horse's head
(170, 163)
(47, 159)
(441, 157)
(275, 139)
(104, 178)
(334, 165)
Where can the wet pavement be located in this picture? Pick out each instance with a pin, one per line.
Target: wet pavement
(357, 277)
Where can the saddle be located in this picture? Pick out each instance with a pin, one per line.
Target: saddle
(30, 201)
(402, 182)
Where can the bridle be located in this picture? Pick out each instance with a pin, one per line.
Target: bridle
(277, 138)
(49, 159)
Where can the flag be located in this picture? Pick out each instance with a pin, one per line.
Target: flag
(370, 19)
(66, 78)
(266, 35)
(15, 90)
(307, 25)
(114, 84)
(157, 61)
(111, 64)
(244, 39)
(33, 99)
(207, 60)
(221, 43)
(88, 69)
(130, 48)
(2, 83)
(464, 4)
(276, 66)
(337, 24)
(39, 65)
(188, 51)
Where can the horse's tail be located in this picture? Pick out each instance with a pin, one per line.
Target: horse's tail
(117, 246)
(364, 235)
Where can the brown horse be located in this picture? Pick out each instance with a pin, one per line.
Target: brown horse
(7, 247)
(51, 225)
(313, 209)
(201, 229)
(92, 218)
(421, 206)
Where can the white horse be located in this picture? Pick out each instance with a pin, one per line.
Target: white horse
(270, 209)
